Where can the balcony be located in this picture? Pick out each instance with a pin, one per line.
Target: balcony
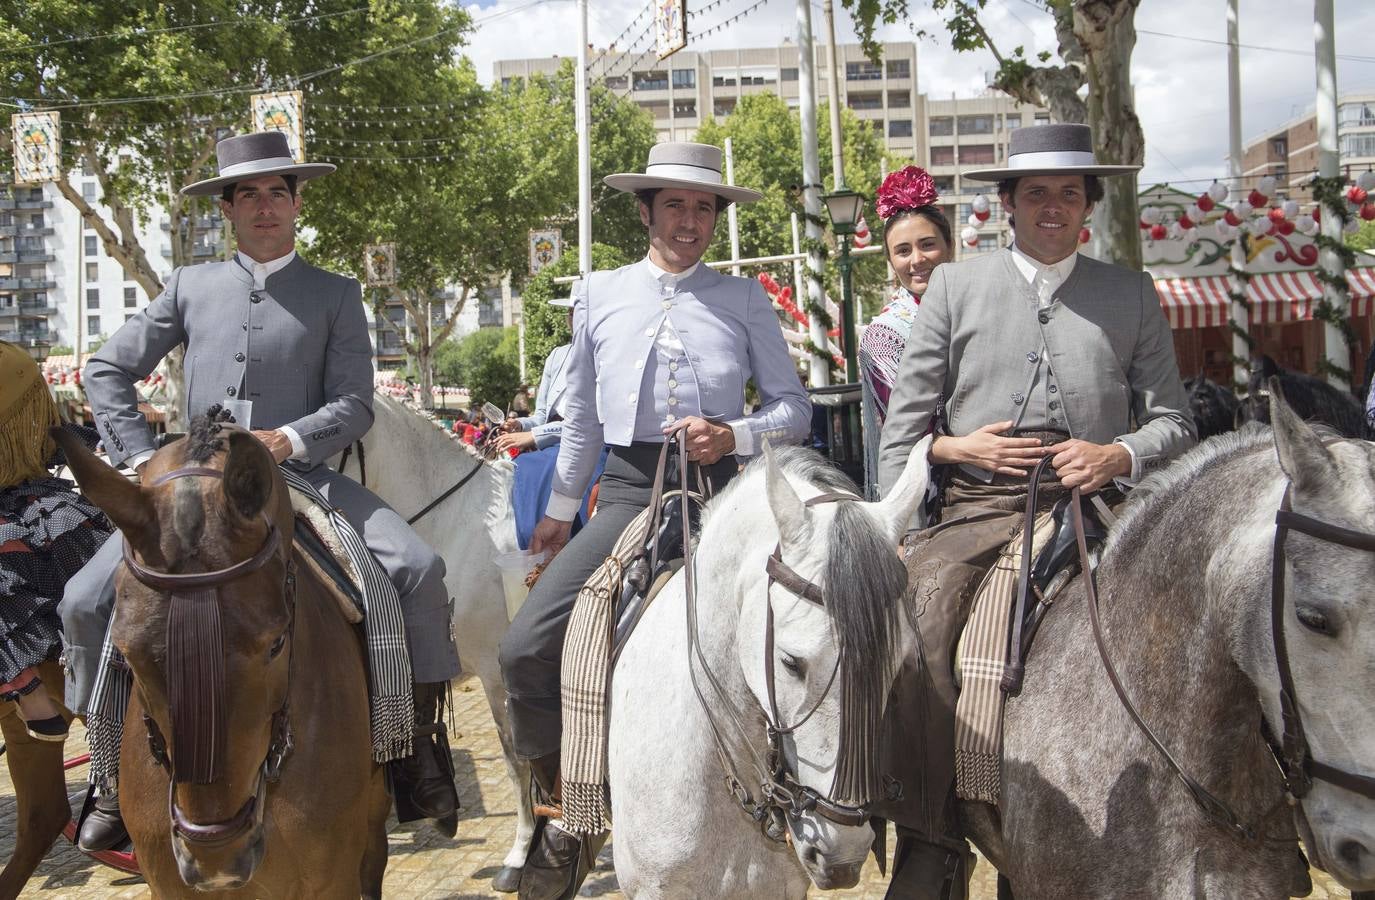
(32, 204)
(26, 284)
(26, 338)
(17, 229)
(26, 256)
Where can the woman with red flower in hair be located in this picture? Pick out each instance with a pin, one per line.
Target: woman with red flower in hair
(916, 239)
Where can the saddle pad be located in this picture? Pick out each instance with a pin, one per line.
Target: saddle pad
(312, 553)
(317, 519)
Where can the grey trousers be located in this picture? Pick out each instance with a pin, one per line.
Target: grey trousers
(531, 653)
(415, 569)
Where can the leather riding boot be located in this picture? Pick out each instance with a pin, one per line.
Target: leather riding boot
(927, 871)
(104, 826)
(558, 860)
(424, 781)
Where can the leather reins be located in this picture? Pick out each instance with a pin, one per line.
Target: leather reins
(779, 792)
(250, 815)
(1295, 761)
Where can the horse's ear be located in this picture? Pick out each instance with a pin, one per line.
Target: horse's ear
(902, 502)
(1302, 456)
(247, 474)
(789, 512)
(122, 500)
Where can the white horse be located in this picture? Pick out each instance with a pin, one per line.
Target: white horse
(680, 831)
(411, 461)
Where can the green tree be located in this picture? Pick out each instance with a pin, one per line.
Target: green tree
(1364, 239)
(546, 327)
(487, 363)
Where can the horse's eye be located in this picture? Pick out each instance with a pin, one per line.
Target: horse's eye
(792, 664)
(1314, 620)
(277, 646)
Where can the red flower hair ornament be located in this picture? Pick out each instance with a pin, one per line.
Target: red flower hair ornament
(908, 188)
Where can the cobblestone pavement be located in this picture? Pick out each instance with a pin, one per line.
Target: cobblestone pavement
(423, 865)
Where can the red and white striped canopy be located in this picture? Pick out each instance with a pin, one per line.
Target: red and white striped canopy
(1203, 301)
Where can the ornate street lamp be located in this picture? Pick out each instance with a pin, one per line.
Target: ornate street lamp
(844, 207)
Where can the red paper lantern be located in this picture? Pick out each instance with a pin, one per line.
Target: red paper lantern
(1085, 236)
(1356, 194)
(1158, 232)
(1285, 227)
(983, 216)
(1257, 199)
(1368, 211)
(1145, 226)
(1276, 214)
(1231, 218)
(1205, 202)
(1185, 222)
(1317, 213)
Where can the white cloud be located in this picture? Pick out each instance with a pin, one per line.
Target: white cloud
(1181, 85)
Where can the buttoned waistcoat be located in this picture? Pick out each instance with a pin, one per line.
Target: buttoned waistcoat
(298, 349)
(982, 342)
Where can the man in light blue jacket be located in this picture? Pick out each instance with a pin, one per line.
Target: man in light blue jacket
(661, 344)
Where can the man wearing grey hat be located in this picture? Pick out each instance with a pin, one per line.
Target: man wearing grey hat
(283, 346)
(1039, 352)
(660, 345)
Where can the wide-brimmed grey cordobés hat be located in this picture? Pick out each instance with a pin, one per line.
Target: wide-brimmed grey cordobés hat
(1049, 150)
(696, 167)
(254, 156)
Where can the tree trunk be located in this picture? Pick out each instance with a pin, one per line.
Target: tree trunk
(1106, 31)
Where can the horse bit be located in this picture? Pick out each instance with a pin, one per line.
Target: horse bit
(251, 813)
(780, 793)
(1292, 755)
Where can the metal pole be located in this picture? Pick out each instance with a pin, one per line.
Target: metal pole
(1325, 47)
(837, 153)
(584, 147)
(1241, 349)
(847, 328)
(730, 211)
(797, 263)
(820, 371)
(79, 347)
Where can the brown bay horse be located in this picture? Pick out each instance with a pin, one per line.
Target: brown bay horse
(246, 766)
(40, 788)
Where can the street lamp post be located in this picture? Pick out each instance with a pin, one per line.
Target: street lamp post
(844, 208)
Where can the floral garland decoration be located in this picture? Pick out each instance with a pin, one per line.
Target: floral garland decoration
(1331, 200)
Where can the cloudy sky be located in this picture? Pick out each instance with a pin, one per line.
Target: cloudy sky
(1180, 77)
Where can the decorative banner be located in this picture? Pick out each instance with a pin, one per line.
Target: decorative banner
(670, 26)
(282, 111)
(37, 146)
(546, 246)
(379, 264)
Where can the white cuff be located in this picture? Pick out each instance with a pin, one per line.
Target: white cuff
(298, 446)
(138, 459)
(1129, 481)
(744, 437)
(562, 507)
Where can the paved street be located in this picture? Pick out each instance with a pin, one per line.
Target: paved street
(424, 865)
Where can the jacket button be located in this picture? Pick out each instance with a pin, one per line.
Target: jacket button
(255, 297)
(245, 326)
(231, 391)
(1054, 388)
(1054, 404)
(1018, 398)
(238, 357)
(1043, 317)
(1032, 357)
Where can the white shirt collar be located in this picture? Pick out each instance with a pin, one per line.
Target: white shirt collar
(663, 276)
(1030, 268)
(261, 271)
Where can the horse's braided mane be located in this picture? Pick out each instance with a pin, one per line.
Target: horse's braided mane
(863, 582)
(203, 438)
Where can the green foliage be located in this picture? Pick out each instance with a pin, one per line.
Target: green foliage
(868, 13)
(1364, 239)
(60, 350)
(486, 362)
(546, 327)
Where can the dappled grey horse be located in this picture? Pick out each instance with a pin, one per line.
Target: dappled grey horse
(1090, 808)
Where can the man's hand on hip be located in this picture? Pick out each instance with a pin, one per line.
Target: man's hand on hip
(707, 441)
(550, 536)
(988, 449)
(1089, 466)
(278, 444)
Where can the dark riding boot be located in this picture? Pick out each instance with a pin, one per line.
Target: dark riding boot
(104, 826)
(927, 871)
(424, 781)
(558, 860)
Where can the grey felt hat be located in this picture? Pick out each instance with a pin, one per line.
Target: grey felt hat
(1049, 150)
(696, 167)
(253, 156)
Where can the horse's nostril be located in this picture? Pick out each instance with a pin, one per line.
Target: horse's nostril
(1351, 851)
(813, 856)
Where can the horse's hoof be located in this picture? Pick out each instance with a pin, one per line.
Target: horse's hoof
(506, 881)
(447, 826)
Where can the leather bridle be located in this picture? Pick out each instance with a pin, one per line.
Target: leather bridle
(779, 793)
(250, 815)
(1292, 754)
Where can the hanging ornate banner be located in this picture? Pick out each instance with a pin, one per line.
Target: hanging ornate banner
(379, 264)
(282, 111)
(546, 246)
(37, 146)
(670, 26)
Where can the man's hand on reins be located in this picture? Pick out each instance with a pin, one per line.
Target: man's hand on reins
(1089, 466)
(707, 441)
(278, 444)
(988, 449)
(550, 536)
(521, 440)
